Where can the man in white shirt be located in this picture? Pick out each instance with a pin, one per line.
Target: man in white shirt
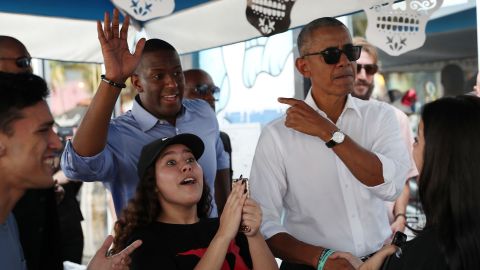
(367, 66)
(329, 164)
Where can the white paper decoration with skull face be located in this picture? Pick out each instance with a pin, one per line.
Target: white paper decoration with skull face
(144, 10)
(398, 28)
(269, 16)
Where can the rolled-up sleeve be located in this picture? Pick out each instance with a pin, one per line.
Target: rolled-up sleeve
(223, 160)
(392, 152)
(95, 168)
(268, 182)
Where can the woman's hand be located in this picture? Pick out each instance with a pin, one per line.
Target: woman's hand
(373, 263)
(354, 261)
(119, 62)
(232, 212)
(251, 217)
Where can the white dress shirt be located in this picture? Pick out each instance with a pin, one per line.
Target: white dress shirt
(295, 174)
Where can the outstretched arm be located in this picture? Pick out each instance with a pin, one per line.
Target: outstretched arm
(91, 136)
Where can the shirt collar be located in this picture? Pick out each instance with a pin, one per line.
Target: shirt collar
(351, 104)
(146, 120)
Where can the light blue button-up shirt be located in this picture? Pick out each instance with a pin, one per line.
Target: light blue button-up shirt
(116, 165)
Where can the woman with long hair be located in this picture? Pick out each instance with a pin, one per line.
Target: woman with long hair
(447, 155)
(170, 210)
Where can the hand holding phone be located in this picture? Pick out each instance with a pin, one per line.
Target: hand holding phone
(399, 239)
(243, 228)
(242, 180)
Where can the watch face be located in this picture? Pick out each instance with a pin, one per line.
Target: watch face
(338, 137)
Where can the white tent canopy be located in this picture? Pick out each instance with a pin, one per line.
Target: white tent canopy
(209, 24)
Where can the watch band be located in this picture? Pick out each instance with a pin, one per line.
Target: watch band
(330, 143)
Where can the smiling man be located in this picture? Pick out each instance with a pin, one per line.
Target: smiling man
(322, 172)
(28, 147)
(108, 150)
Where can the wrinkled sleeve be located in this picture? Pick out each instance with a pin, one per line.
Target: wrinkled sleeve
(268, 181)
(100, 167)
(392, 151)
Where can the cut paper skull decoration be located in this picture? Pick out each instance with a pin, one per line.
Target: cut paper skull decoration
(397, 28)
(144, 10)
(269, 16)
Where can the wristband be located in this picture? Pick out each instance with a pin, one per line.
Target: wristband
(112, 83)
(324, 257)
(400, 215)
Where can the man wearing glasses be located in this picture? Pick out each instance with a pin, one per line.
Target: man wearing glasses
(322, 172)
(363, 88)
(199, 85)
(14, 57)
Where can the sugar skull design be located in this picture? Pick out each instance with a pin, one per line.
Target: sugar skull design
(269, 16)
(398, 28)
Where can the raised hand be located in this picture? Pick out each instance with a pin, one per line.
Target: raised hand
(303, 118)
(251, 217)
(119, 62)
(232, 212)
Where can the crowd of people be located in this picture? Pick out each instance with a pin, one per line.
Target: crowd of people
(322, 177)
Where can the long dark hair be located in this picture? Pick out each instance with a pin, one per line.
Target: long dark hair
(144, 209)
(449, 183)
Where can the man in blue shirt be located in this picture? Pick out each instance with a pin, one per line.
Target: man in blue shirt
(108, 150)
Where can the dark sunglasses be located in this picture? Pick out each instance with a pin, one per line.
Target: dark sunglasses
(332, 55)
(204, 89)
(22, 62)
(370, 69)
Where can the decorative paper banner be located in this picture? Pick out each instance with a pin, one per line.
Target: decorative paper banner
(398, 28)
(270, 17)
(144, 10)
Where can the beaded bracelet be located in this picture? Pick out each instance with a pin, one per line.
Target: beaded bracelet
(400, 215)
(112, 83)
(323, 258)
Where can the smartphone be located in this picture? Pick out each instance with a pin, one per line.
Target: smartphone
(242, 180)
(399, 239)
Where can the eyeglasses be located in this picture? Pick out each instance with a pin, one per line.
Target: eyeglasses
(204, 89)
(370, 69)
(332, 55)
(22, 62)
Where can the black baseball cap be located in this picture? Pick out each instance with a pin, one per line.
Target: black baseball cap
(151, 151)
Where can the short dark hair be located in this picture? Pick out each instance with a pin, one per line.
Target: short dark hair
(155, 44)
(18, 91)
(449, 179)
(303, 40)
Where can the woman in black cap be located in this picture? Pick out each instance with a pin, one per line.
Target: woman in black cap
(169, 212)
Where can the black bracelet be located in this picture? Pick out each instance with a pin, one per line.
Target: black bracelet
(112, 83)
(400, 215)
